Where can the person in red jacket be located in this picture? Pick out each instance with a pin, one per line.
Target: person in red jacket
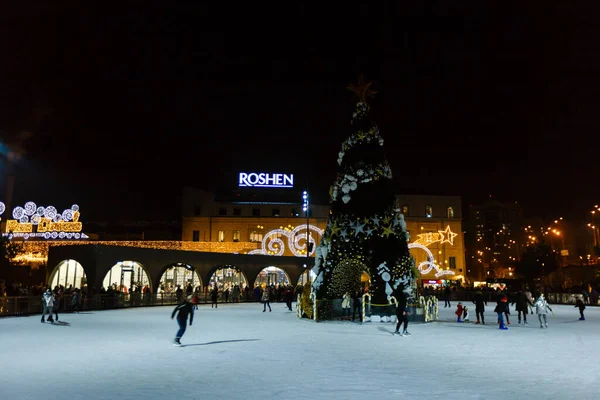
(459, 312)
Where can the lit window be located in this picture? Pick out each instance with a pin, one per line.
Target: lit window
(236, 236)
(221, 236)
(428, 211)
(405, 210)
(450, 212)
(256, 236)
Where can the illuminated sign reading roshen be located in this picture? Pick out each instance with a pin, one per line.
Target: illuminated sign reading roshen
(266, 180)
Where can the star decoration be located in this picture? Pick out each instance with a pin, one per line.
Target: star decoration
(359, 229)
(396, 221)
(447, 236)
(334, 229)
(344, 233)
(387, 231)
(360, 135)
(386, 220)
(369, 232)
(375, 220)
(362, 90)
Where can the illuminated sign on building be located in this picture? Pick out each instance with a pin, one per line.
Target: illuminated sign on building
(266, 180)
(32, 221)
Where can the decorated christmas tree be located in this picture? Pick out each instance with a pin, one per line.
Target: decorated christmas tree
(365, 231)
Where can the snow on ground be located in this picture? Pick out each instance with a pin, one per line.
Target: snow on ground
(239, 352)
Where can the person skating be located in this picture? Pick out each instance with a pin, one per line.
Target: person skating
(459, 312)
(401, 314)
(479, 307)
(214, 296)
(501, 309)
(48, 303)
(183, 310)
(265, 299)
(447, 297)
(579, 304)
(541, 309)
(522, 304)
(346, 305)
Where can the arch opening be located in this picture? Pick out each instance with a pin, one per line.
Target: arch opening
(272, 275)
(227, 277)
(127, 276)
(179, 275)
(68, 273)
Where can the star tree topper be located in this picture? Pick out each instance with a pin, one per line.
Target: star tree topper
(362, 90)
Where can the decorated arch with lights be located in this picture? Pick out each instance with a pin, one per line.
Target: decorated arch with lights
(227, 276)
(178, 274)
(272, 275)
(68, 273)
(127, 275)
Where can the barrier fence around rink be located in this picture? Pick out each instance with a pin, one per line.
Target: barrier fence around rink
(28, 305)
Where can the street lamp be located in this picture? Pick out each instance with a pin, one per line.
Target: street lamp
(306, 209)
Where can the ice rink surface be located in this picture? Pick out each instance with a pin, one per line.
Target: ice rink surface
(239, 352)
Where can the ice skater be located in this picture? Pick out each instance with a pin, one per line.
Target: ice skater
(459, 312)
(501, 309)
(48, 303)
(522, 305)
(346, 305)
(183, 310)
(401, 314)
(579, 304)
(541, 309)
(479, 307)
(265, 299)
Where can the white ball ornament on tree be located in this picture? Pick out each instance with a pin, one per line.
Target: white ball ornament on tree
(346, 198)
(24, 219)
(40, 211)
(2, 207)
(75, 208)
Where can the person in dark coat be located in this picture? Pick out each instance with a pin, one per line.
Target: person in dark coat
(183, 310)
(579, 304)
(480, 304)
(501, 309)
(356, 305)
(522, 304)
(214, 296)
(401, 314)
(447, 297)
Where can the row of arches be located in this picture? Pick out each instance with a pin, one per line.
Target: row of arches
(127, 275)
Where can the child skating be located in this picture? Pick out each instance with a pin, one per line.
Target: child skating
(541, 309)
(183, 310)
(501, 309)
(459, 312)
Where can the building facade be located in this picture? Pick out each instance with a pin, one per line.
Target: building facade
(257, 223)
(495, 235)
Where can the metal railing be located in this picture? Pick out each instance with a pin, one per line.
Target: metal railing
(27, 305)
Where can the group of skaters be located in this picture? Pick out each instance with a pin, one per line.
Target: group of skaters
(524, 304)
(51, 300)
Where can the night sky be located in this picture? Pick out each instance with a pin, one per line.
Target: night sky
(149, 96)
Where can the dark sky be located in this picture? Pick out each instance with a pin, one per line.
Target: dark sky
(473, 99)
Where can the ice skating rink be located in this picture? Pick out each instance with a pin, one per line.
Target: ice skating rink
(239, 352)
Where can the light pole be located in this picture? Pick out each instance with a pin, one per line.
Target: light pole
(306, 209)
